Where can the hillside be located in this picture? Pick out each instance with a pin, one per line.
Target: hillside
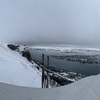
(16, 69)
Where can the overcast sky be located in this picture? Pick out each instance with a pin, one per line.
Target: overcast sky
(50, 21)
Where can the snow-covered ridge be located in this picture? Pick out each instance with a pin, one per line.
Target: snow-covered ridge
(16, 69)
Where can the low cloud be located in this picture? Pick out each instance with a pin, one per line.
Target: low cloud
(62, 21)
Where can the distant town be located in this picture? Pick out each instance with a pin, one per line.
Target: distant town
(90, 59)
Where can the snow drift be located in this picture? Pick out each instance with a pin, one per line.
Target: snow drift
(85, 89)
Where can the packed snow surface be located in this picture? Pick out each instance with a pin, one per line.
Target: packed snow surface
(85, 89)
(17, 70)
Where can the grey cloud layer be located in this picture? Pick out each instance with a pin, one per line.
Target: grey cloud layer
(55, 21)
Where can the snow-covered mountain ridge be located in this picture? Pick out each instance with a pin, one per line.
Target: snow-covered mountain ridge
(16, 69)
(66, 49)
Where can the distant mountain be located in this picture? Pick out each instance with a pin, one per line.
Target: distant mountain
(67, 49)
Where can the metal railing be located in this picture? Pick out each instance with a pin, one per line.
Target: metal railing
(45, 75)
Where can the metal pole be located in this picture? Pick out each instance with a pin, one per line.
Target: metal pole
(42, 70)
(48, 58)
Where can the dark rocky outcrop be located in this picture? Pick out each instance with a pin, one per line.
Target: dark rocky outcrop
(13, 47)
(25, 53)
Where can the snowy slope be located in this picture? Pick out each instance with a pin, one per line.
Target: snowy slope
(85, 89)
(17, 70)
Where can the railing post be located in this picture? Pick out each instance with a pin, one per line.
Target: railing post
(42, 70)
(48, 58)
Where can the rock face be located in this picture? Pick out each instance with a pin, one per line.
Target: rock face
(27, 55)
(25, 52)
(13, 47)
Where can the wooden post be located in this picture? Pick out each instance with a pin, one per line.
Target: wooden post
(47, 86)
(42, 70)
